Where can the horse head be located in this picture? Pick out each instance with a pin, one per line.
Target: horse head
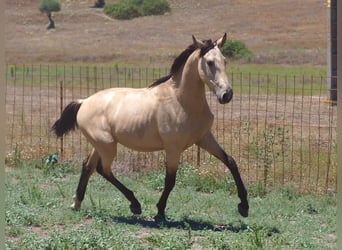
(212, 68)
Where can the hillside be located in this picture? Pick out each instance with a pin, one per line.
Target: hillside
(277, 31)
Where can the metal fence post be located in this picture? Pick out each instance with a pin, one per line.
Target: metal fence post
(61, 110)
(332, 52)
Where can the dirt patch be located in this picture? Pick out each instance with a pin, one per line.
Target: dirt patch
(276, 31)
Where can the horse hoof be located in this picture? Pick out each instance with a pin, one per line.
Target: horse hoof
(243, 210)
(135, 209)
(160, 218)
(76, 205)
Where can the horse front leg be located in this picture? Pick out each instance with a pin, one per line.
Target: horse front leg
(209, 144)
(172, 160)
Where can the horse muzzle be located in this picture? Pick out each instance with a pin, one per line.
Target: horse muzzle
(225, 97)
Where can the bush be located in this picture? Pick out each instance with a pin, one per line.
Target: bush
(235, 49)
(121, 11)
(155, 7)
(129, 9)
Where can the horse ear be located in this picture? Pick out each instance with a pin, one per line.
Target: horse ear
(221, 40)
(198, 44)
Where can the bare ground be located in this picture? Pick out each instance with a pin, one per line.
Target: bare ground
(277, 31)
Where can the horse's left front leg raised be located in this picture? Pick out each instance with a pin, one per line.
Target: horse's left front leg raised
(210, 144)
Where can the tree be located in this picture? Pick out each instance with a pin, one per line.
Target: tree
(48, 6)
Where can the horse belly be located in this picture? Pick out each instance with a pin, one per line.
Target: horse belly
(137, 130)
(132, 120)
(140, 139)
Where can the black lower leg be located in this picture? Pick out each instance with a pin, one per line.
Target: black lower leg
(242, 192)
(170, 180)
(83, 182)
(135, 205)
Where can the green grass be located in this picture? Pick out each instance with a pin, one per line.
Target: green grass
(201, 210)
(82, 77)
(280, 70)
(246, 79)
(274, 79)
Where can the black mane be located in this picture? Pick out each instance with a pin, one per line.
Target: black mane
(181, 59)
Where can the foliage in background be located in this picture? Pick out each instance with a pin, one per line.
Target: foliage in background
(270, 144)
(129, 9)
(235, 49)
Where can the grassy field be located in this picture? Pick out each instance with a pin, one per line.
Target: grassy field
(201, 210)
(245, 78)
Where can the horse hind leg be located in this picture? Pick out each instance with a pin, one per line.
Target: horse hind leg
(88, 168)
(104, 169)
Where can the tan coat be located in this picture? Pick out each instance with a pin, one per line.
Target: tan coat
(170, 115)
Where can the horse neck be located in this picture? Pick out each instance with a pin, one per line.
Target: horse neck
(191, 89)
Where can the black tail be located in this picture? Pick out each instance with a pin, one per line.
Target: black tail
(67, 121)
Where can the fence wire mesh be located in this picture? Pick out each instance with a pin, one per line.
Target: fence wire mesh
(278, 127)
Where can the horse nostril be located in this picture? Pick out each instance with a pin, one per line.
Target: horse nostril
(227, 96)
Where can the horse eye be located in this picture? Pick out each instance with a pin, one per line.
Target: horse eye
(210, 63)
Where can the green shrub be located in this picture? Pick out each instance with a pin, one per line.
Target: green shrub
(121, 10)
(155, 7)
(129, 9)
(235, 49)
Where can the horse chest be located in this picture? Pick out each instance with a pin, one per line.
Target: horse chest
(199, 126)
(184, 129)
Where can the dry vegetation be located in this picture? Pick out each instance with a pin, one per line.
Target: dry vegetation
(287, 32)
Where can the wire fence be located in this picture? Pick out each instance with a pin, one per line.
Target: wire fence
(278, 127)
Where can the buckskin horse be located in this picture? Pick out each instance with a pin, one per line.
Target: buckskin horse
(171, 114)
